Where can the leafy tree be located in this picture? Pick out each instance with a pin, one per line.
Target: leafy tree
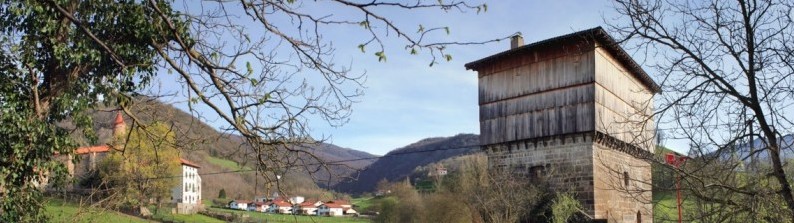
(726, 70)
(264, 79)
(143, 168)
(54, 69)
(222, 194)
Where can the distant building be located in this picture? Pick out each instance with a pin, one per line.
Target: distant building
(437, 171)
(239, 204)
(330, 209)
(187, 195)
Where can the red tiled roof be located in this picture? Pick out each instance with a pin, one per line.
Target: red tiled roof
(282, 203)
(119, 118)
(258, 203)
(92, 149)
(188, 163)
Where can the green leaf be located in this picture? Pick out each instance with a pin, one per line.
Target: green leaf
(364, 24)
(381, 56)
(447, 29)
(421, 29)
(254, 82)
(361, 47)
(250, 69)
(448, 57)
(413, 51)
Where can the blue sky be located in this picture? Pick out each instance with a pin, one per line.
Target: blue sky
(406, 100)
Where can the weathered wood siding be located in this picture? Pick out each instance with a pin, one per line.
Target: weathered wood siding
(623, 104)
(543, 98)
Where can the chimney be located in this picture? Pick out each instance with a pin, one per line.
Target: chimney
(516, 41)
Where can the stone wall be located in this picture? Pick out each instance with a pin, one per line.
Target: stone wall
(566, 162)
(184, 208)
(622, 187)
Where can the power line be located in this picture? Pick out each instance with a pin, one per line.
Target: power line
(413, 152)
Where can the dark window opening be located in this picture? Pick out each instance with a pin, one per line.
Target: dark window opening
(626, 178)
(537, 172)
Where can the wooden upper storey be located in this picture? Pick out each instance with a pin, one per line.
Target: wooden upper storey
(581, 41)
(581, 82)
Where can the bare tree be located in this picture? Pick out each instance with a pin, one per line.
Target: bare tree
(725, 69)
(262, 67)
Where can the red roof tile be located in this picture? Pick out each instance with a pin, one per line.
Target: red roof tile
(188, 163)
(119, 118)
(92, 149)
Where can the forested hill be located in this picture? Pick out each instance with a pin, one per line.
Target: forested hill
(218, 152)
(400, 163)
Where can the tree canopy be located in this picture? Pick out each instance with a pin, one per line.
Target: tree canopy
(726, 74)
(261, 66)
(145, 166)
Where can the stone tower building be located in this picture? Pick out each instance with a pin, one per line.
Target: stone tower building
(576, 112)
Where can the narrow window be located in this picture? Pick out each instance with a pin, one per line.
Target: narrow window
(626, 178)
(639, 217)
(537, 172)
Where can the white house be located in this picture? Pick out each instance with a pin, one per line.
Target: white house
(239, 204)
(187, 195)
(330, 209)
(308, 207)
(258, 206)
(281, 207)
(296, 199)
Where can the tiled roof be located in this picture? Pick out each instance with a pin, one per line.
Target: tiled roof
(188, 163)
(119, 119)
(281, 203)
(92, 149)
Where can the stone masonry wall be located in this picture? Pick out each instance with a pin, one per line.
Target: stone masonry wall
(566, 160)
(617, 199)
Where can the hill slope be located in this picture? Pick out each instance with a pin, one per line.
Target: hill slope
(400, 163)
(218, 152)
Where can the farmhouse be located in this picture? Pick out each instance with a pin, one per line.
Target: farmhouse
(187, 195)
(575, 111)
(281, 207)
(330, 209)
(239, 204)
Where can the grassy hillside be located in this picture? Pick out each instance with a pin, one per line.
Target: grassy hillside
(217, 152)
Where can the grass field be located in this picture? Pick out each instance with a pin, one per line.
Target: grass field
(362, 203)
(278, 218)
(228, 164)
(60, 211)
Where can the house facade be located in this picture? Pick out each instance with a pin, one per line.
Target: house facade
(187, 195)
(281, 207)
(330, 209)
(575, 111)
(239, 204)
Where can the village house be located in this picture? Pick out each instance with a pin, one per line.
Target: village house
(239, 204)
(330, 209)
(308, 207)
(258, 206)
(281, 207)
(187, 195)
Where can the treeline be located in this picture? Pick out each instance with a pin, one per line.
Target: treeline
(473, 194)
